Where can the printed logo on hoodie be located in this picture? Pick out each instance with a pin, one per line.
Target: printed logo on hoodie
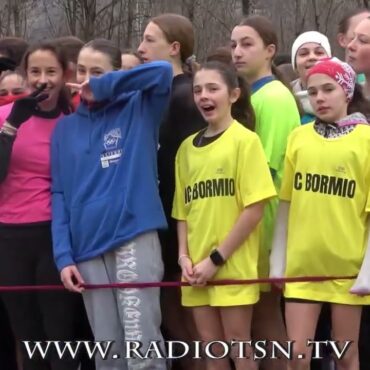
(112, 152)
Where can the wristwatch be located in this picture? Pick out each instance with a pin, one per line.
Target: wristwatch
(216, 258)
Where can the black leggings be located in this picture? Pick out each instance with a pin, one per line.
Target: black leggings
(26, 259)
(7, 343)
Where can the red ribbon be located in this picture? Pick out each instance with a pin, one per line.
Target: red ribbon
(171, 284)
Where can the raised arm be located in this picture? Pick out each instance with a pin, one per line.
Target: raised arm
(155, 77)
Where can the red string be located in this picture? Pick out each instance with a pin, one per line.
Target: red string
(300, 279)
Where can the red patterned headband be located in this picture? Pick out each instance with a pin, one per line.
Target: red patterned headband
(339, 71)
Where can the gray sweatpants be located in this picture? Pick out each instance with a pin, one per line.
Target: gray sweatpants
(123, 315)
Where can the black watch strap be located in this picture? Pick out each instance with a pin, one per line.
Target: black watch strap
(216, 258)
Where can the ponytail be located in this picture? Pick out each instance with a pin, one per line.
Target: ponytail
(191, 66)
(242, 109)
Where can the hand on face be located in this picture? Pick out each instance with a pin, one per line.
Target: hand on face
(25, 107)
(84, 89)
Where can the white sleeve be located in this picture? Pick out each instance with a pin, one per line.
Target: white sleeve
(279, 244)
(362, 283)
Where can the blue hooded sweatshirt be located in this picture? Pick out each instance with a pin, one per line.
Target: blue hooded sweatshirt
(104, 165)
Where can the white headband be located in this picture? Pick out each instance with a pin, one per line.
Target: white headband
(306, 37)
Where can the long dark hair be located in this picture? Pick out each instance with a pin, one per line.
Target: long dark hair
(242, 109)
(359, 103)
(64, 99)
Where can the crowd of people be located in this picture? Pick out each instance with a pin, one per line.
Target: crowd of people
(147, 165)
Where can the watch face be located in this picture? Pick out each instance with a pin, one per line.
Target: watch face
(217, 258)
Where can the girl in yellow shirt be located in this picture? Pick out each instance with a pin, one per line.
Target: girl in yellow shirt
(222, 182)
(322, 227)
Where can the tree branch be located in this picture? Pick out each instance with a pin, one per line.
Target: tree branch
(104, 8)
(328, 14)
(226, 26)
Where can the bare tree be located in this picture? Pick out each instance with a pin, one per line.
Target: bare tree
(14, 17)
(246, 7)
(70, 9)
(188, 9)
(123, 21)
(316, 16)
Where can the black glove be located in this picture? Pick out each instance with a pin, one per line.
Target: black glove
(24, 108)
(7, 64)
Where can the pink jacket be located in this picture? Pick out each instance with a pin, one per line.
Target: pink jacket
(25, 193)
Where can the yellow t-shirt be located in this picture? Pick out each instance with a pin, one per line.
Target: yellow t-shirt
(214, 183)
(327, 182)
